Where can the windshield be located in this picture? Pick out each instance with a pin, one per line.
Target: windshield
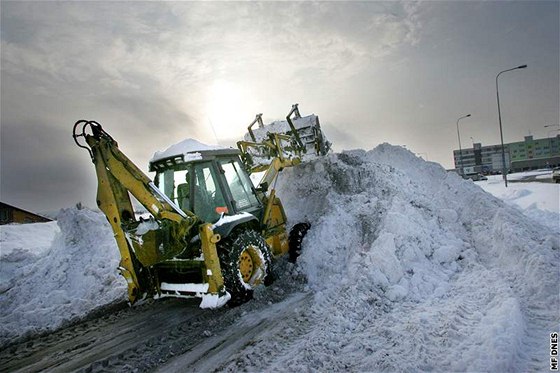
(197, 189)
(239, 184)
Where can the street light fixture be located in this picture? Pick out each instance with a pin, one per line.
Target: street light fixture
(461, 171)
(550, 131)
(504, 170)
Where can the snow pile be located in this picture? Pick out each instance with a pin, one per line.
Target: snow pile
(52, 283)
(21, 245)
(413, 268)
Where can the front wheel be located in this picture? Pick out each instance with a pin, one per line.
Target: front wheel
(246, 263)
(295, 238)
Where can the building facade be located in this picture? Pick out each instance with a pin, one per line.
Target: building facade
(529, 154)
(532, 154)
(11, 214)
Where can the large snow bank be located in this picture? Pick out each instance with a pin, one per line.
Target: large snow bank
(413, 268)
(57, 274)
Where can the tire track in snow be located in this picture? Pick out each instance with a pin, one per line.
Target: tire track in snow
(243, 345)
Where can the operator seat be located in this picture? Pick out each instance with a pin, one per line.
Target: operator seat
(183, 192)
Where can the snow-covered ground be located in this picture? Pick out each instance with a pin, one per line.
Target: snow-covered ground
(538, 200)
(408, 267)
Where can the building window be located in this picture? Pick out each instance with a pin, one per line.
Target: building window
(4, 216)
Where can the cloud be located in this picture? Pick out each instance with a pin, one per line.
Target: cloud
(146, 70)
(184, 45)
(154, 73)
(40, 170)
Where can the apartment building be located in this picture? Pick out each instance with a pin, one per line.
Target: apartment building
(528, 154)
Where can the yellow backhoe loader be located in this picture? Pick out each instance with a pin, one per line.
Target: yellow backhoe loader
(210, 232)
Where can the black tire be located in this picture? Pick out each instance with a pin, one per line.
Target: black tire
(246, 263)
(295, 238)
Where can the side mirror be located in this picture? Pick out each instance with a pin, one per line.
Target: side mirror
(262, 188)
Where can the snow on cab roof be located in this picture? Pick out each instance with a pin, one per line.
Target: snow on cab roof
(184, 147)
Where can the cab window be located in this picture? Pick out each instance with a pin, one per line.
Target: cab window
(239, 184)
(209, 201)
(175, 185)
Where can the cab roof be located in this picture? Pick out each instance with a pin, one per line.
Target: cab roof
(187, 151)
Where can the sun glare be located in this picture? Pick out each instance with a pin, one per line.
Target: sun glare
(228, 110)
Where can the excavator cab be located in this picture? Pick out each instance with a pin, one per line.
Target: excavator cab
(210, 183)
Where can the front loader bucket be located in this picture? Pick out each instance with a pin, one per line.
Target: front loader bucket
(310, 134)
(296, 136)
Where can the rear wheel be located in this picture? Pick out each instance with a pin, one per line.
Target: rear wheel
(295, 238)
(246, 263)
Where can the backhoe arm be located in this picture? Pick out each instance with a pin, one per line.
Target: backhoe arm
(141, 243)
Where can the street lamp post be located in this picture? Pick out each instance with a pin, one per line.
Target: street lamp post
(461, 171)
(504, 169)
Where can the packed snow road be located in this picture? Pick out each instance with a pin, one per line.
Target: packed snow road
(406, 267)
(172, 334)
(120, 340)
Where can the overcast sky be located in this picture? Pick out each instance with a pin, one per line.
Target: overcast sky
(155, 73)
